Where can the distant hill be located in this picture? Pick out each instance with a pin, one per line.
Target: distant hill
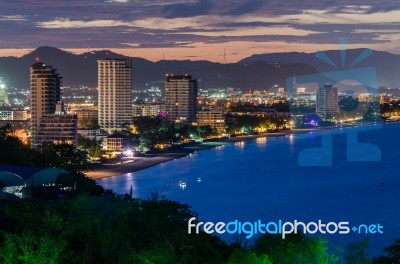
(259, 71)
(386, 64)
(82, 69)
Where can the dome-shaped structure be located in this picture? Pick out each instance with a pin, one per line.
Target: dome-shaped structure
(48, 176)
(8, 179)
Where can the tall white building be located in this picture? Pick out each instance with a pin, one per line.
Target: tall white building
(327, 101)
(3, 95)
(115, 93)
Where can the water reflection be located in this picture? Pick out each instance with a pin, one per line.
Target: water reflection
(261, 140)
(239, 144)
(291, 139)
(127, 186)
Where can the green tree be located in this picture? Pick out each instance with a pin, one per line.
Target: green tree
(31, 249)
(92, 146)
(247, 257)
(356, 253)
(295, 248)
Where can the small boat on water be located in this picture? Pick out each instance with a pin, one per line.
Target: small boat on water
(182, 184)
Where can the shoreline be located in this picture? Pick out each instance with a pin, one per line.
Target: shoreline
(140, 163)
(149, 160)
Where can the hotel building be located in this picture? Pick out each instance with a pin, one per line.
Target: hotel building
(115, 93)
(212, 117)
(181, 98)
(45, 92)
(327, 101)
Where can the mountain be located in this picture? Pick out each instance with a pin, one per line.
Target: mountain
(387, 65)
(82, 70)
(258, 71)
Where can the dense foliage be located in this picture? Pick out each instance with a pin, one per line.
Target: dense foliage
(123, 230)
(150, 131)
(119, 229)
(237, 124)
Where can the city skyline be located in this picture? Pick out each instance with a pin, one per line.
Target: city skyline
(224, 31)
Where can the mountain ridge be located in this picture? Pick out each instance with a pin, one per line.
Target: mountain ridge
(259, 71)
(81, 69)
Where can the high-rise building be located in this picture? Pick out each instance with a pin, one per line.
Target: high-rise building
(3, 95)
(327, 103)
(181, 98)
(45, 92)
(115, 93)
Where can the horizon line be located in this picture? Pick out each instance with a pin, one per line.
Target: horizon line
(21, 52)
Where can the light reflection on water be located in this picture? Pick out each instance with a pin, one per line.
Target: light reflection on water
(261, 141)
(239, 144)
(260, 180)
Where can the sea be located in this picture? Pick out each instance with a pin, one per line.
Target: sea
(349, 175)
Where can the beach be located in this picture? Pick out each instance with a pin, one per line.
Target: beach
(101, 171)
(140, 163)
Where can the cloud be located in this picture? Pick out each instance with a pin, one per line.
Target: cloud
(118, 1)
(141, 24)
(245, 8)
(67, 23)
(12, 18)
(256, 31)
(201, 7)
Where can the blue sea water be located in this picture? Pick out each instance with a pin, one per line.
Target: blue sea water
(262, 179)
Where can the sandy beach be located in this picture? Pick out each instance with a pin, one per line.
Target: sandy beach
(140, 163)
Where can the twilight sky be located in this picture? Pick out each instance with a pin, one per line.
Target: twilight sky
(197, 29)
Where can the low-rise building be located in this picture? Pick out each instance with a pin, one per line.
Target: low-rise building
(6, 115)
(87, 114)
(213, 118)
(147, 109)
(89, 133)
(20, 115)
(115, 143)
(57, 128)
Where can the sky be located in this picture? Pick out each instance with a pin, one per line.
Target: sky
(222, 31)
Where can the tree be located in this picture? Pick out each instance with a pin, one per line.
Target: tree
(392, 254)
(65, 156)
(13, 151)
(295, 248)
(92, 146)
(247, 257)
(76, 162)
(31, 249)
(356, 253)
